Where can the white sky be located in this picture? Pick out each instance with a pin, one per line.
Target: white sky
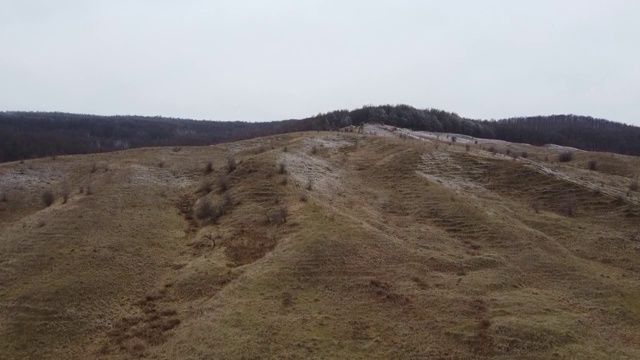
(268, 60)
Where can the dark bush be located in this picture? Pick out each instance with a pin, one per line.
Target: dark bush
(524, 154)
(591, 164)
(204, 210)
(565, 156)
(48, 198)
(281, 167)
(633, 186)
(208, 167)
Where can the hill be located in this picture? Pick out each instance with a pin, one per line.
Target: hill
(385, 244)
(25, 135)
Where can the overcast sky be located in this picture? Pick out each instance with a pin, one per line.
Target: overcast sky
(267, 60)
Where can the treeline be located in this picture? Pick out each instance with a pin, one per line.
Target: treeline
(583, 132)
(26, 135)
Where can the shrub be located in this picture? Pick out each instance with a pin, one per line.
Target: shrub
(89, 190)
(493, 150)
(279, 216)
(4, 197)
(633, 186)
(467, 147)
(524, 154)
(206, 187)
(204, 209)
(453, 139)
(314, 150)
(569, 206)
(619, 199)
(304, 197)
(231, 164)
(309, 184)
(227, 203)
(591, 164)
(285, 149)
(66, 191)
(535, 205)
(161, 164)
(208, 167)
(565, 156)
(48, 198)
(281, 167)
(223, 184)
(260, 149)
(94, 167)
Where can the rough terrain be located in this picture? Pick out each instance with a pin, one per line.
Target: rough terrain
(374, 245)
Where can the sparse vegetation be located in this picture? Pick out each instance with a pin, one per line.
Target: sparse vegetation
(524, 154)
(48, 197)
(314, 150)
(412, 234)
(94, 167)
(592, 164)
(4, 197)
(467, 147)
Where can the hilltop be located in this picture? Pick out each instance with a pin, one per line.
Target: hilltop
(388, 243)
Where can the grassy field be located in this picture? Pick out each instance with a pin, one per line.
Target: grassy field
(322, 246)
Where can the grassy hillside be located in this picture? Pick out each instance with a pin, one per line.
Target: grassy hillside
(322, 245)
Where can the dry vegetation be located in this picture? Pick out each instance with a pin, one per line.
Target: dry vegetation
(353, 246)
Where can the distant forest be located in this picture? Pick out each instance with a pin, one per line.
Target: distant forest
(26, 135)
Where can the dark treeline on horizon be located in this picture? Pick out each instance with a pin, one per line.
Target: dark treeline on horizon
(25, 135)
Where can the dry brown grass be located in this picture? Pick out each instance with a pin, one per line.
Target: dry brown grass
(407, 250)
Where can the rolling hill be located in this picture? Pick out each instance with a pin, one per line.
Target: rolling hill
(388, 243)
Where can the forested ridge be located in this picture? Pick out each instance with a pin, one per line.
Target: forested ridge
(26, 135)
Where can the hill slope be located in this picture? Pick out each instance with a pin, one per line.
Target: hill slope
(321, 245)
